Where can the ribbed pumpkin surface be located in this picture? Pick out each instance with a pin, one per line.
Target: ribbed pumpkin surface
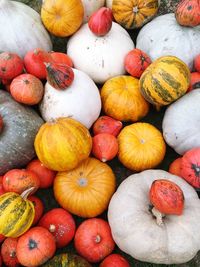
(16, 214)
(134, 13)
(165, 80)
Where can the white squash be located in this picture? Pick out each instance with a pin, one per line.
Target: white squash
(21, 29)
(136, 231)
(181, 123)
(100, 57)
(109, 3)
(80, 101)
(163, 36)
(90, 6)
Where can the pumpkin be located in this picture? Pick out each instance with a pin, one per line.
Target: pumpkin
(8, 252)
(197, 63)
(17, 137)
(35, 247)
(81, 101)
(106, 124)
(0, 261)
(141, 146)
(136, 231)
(61, 58)
(62, 18)
(93, 239)
(172, 40)
(187, 13)
(174, 167)
(165, 80)
(123, 92)
(194, 81)
(60, 224)
(100, 57)
(1, 123)
(86, 190)
(36, 5)
(17, 213)
(114, 260)
(177, 117)
(20, 16)
(39, 208)
(2, 191)
(90, 6)
(134, 14)
(62, 144)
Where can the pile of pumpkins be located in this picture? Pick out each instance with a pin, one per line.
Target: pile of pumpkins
(67, 118)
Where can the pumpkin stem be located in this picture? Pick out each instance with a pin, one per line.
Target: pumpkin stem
(27, 192)
(12, 254)
(52, 228)
(158, 216)
(98, 239)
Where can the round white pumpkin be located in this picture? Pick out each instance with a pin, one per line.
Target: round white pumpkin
(163, 36)
(181, 123)
(100, 57)
(80, 101)
(135, 230)
(21, 29)
(109, 3)
(90, 6)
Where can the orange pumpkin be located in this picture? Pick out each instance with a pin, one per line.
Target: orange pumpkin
(122, 100)
(175, 167)
(8, 252)
(86, 190)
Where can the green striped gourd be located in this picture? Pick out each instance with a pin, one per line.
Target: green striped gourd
(67, 260)
(165, 80)
(16, 213)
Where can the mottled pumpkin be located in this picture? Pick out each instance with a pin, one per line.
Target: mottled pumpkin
(122, 100)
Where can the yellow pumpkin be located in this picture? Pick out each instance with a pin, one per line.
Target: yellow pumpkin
(16, 213)
(122, 100)
(62, 17)
(86, 190)
(62, 144)
(133, 14)
(141, 146)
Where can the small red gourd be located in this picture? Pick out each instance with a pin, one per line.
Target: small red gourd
(8, 252)
(2, 191)
(197, 63)
(167, 197)
(27, 89)
(60, 224)
(11, 65)
(106, 124)
(61, 58)
(104, 146)
(136, 61)
(39, 208)
(59, 76)
(93, 239)
(175, 167)
(45, 175)
(114, 260)
(194, 81)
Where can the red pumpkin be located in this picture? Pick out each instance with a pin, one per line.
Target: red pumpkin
(194, 81)
(197, 63)
(35, 247)
(45, 175)
(104, 146)
(27, 89)
(2, 191)
(106, 124)
(39, 208)
(114, 260)
(18, 180)
(136, 61)
(190, 167)
(61, 224)
(61, 58)
(1, 123)
(34, 62)
(2, 238)
(93, 239)
(11, 65)
(167, 197)
(175, 167)
(8, 252)
(0, 260)
(59, 76)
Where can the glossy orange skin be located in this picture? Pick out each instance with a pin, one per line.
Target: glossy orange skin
(106, 124)
(187, 13)
(8, 252)
(114, 260)
(174, 167)
(194, 81)
(197, 63)
(39, 208)
(61, 58)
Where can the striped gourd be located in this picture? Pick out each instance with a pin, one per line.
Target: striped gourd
(67, 260)
(165, 80)
(134, 13)
(16, 213)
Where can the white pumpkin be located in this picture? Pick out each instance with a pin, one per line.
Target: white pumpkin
(163, 36)
(136, 231)
(80, 101)
(109, 3)
(21, 29)
(90, 6)
(100, 57)
(181, 123)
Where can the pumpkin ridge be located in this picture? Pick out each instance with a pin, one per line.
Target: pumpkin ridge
(169, 79)
(165, 97)
(7, 201)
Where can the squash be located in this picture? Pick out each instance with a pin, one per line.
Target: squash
(123, 92)
(17, 213)
(17, 136)
(39, 208)
(62, 144)
(36, 5)
(172, 40)
(136, 231)
(194, 81)
(165, 80)
(33, 35)
(81, 101)
(175, 167)
(62, 18)
(100, 57)
(180, 127)
(86, 190)
(8, 252)
(141, 146)
(114, 260)
(90, 6)
(106, 124)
